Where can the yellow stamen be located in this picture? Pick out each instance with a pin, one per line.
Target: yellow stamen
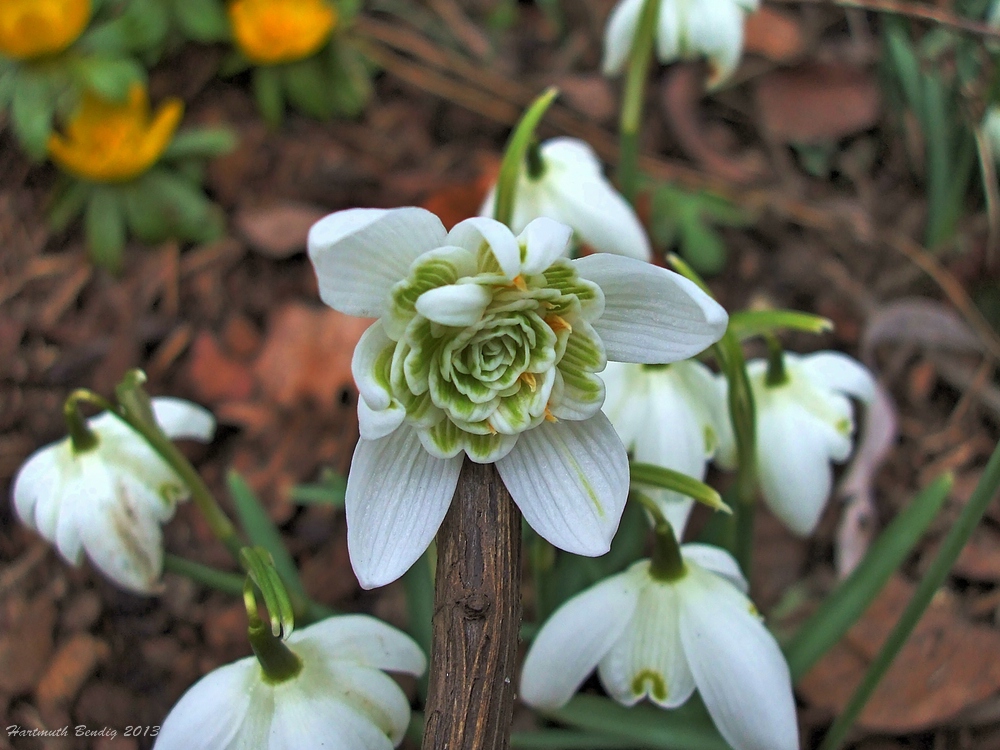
(558, 323)
(35, 28)
(549, 416)
(520, 283)
(280, 31)
(110, 142)
(491, 428)
(528, 378)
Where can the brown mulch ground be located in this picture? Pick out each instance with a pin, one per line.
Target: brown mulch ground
(238, 327)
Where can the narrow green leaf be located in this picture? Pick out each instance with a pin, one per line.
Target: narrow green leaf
(330, 490)
(749, 323)
(686, 728)
(259, 528)
(68, 202)
(191, 214)
(350, 82)
(702, 246)
(143, 212)
(32, 109)
(104, 225)
(201, 142)
(202, 20)
(516, 152)
(934, 578)
(260, 567)
(418, 585)
(220, 580)
(842, 608)
(269, 95)
(668, 479)
(307, 87)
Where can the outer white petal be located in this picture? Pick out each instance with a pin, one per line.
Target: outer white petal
(573, 640)
(360, 253)
(209, 715)
(544, 240)
(472, 233)
(794, 465)
(579, 195)
(37, 490)
(619, 35)
(651, 315)
(376, 697)
(570, 480)
(671, 25)
(626, 390)
(718, 561)
(838, 372)
(397, 496)
(715, 29)
(454, 304)
(648, 661)
(308, 719)
(377, 424)
(183, 420)
(119, 525)
(737, 665)
(365, 641)
(372, 343)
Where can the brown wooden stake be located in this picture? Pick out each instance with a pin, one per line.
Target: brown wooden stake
(477, 615)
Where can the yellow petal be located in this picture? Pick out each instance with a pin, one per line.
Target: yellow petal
(35, 28)
(277, 31)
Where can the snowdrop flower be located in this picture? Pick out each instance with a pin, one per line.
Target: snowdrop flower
(340, 698)
(563, 181)
(670, 416)
(489, 345)
(686, 29)
(804, 421)
(660, 637)
(110, 499)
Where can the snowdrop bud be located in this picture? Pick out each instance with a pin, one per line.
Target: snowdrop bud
(489, 345)
(109, 497)
(804, 421)
(661, 637)
(338, 697)
(686, 30)
(563, 180)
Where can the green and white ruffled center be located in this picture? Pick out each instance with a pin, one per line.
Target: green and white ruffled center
(475, 358)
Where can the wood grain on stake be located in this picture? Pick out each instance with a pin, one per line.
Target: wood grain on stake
(477, 613)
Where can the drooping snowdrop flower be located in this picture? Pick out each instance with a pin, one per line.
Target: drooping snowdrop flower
(670, 416)
(686, 30)
(804, 421)
(660, 638)
(489, 345)
(340, 698)
(109, 500)
(562, 180)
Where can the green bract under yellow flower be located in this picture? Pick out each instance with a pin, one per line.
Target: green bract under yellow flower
(279, 31)
(110, 142)
(489, 346)
(35, 28)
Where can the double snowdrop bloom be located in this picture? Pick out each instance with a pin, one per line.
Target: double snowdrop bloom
(670, 416)
(661, 639)
(339, 699)
(109, 500)
(803, 423)
(563, 180)
(489, 345)
(685, 30)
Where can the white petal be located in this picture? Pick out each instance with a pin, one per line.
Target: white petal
(183, 420)
(671, 25)
(619, 35)
(579, 195)
(648, 661)
(715, 29)
(359, 254)
(573, 640)
(376, 697)
(625, 391)
(308, 719)
(377, 424)
(570, 480)
(397, 496)
(373, 388)
(675, 507)
(794, 466)
(651, 315)
(472, 233)
(454, 304)
(37, 488)
(365, 641)
(718, 561)
(737, 665)
(544, 240)
(210, 714)
(838, 372)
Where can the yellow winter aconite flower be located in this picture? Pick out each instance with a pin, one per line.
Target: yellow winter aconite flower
(278, 31)
(33, 28)
(111, 142)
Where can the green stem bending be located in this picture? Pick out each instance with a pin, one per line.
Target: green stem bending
(935, 576)
(81, 436)
(635, 87)
(666, 563)
(278, 662)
